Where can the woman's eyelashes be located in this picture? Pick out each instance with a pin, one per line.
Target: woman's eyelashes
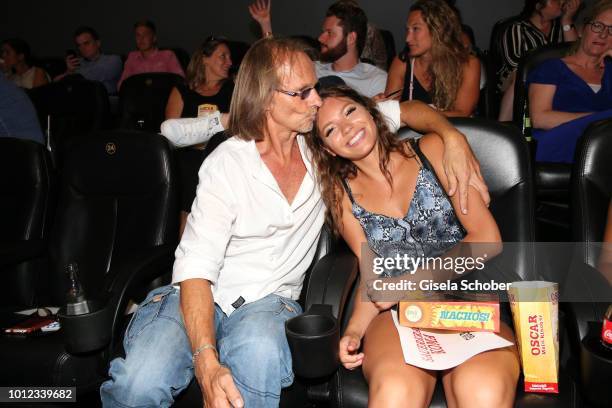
(350, 109)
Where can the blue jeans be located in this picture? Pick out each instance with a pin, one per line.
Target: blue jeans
(157, 367)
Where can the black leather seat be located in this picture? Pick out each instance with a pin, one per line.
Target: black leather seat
(591, 193)
(506, 168)
(552, 179)
(74, 106)
(117, 218)
(25, 186)
(143, 98)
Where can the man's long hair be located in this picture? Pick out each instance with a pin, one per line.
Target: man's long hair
(256, 82)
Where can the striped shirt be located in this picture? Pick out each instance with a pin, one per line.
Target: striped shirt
(520, 37)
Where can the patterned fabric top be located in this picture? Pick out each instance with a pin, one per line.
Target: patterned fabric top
(429, 229)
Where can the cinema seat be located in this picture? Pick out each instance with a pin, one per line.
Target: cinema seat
(507, 170)
(143, 98)
(25, 205)
(117, 219)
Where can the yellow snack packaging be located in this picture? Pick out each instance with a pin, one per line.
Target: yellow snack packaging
(450, 315)
(535, 312)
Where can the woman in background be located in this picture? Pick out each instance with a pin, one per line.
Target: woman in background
(567, 94)
(18, 65)
(437, 67)
(208, 89)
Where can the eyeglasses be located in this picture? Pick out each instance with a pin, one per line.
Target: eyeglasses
(598, 27)
(303, 94)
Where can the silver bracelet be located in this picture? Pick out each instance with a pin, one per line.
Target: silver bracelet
(201, 349)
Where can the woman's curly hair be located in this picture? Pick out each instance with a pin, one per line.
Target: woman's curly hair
(331, 170)
(449, 55)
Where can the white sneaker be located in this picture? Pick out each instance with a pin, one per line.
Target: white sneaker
(192, 131)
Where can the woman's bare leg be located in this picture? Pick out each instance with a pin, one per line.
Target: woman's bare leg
(392, 382)
(485, 380)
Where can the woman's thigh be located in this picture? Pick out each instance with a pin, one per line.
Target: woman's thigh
(485, 380)
(391, 381)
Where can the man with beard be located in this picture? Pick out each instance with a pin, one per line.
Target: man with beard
(342, 40)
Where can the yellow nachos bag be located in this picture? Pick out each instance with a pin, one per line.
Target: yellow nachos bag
(450, 315)
(535, 311)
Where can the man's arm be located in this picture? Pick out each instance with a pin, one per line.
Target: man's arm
(198, 310)
(461, 167)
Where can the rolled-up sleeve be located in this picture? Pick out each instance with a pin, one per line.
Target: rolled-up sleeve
(201, 251)
(391, 112)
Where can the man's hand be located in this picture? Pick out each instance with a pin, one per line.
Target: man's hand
(348, 353)
(72, 63)
(260, 11)
(463, 170)
(218, 388)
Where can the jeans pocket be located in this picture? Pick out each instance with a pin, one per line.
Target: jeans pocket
(147, 312)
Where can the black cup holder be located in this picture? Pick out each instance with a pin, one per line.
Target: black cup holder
(313, 338)
(595, 368)
(87, 332)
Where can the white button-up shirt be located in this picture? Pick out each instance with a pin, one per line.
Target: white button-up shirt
(242, 235)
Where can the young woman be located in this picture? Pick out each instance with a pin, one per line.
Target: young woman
(18, 67)
(436, 67)
(389, 194)
(563, 90)
(208, 89)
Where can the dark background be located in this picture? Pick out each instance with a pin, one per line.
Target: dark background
(48, 25)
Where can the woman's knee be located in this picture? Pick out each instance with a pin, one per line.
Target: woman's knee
(485, 391)
(396, 389)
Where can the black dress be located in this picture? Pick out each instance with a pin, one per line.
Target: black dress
(190, 159)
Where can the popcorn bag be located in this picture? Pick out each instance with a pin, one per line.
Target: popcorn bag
(535, 309)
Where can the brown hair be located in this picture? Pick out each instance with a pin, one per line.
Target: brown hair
(257, 79)
(196, 74)
(331, 170)
(448, 54)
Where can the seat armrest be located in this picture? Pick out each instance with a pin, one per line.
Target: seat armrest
(553, 180)
(13, 253)
(332, 279)
(134, 272)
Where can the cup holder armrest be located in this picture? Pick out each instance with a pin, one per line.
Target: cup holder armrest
(332, 280)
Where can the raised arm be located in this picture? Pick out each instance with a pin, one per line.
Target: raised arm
(460, 166)
(260, 11)
(570, 8)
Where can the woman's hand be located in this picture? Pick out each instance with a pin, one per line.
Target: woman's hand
(603, 56)
(570, 8)
(260, 11)
(349, 355)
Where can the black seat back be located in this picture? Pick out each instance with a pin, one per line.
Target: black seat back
(25, 202)
(143, 98)
(24, 189)
(75, 106)
(592, 187)
(506, 168)
(117, 199)
(531, 60)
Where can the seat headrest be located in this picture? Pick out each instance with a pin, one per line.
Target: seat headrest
(122, 162)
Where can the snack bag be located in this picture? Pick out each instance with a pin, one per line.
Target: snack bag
(450, 315)
(535, 311)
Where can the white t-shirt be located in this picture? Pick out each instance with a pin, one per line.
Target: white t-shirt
(242, 235)
(365, 78)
